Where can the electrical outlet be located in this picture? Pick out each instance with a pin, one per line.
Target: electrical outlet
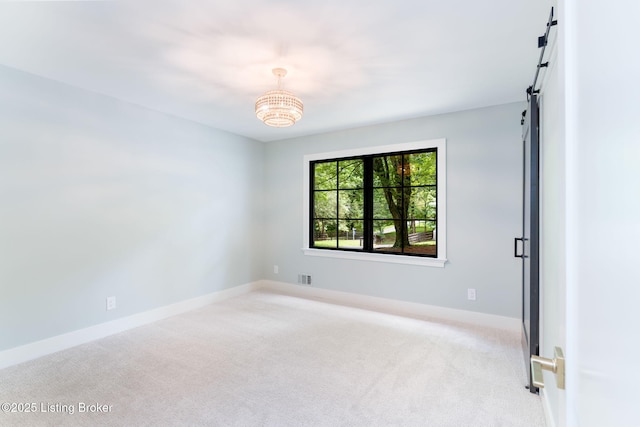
(275, 269)
(471, 294)
(111, 303)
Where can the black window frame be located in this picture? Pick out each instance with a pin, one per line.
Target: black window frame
(368, 203)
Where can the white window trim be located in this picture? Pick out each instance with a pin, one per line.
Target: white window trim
(439, 261)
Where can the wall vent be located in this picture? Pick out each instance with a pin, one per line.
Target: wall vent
(304, 279)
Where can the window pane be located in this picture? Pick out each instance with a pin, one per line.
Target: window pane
(325, 176)
(420, 226)
(351, 204)
(324, 234)
(325, 204)
(387, 171)
(420, 168)
(424, 248)
(398, 204)
(380, 228)
(384, 235)
(422, 202)
(350, 234)
(351, 173)
(381, 208)
(421, 238)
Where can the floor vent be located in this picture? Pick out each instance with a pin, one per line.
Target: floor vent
(304, 279)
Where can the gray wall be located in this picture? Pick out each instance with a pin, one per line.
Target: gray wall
(101, 198)
(484, 181)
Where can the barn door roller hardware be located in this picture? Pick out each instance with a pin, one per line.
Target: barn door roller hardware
(542, 43)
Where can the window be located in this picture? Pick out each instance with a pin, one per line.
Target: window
(384, 201)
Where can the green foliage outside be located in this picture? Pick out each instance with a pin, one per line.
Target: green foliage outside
(404, 199)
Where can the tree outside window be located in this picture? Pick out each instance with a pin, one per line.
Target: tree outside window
(383, 203)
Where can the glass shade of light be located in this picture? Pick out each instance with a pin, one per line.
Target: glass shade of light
(279, 108)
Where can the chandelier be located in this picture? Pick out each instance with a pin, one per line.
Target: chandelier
(279, 108)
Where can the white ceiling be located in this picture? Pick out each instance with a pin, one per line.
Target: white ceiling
(352, 62)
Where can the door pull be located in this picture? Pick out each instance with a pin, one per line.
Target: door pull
(555, 365)
(515, 247)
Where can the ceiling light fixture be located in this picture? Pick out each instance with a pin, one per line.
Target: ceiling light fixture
(279, 108)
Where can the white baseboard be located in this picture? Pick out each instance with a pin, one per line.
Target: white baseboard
(33, 350)
(57, 343)
(392, 306)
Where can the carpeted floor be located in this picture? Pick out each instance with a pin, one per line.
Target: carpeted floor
(265, 359)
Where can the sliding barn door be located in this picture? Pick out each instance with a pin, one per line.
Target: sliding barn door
(527, 247)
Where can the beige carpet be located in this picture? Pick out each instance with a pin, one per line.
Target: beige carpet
(265, 359)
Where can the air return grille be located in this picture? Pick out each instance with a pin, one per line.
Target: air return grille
(304, 279)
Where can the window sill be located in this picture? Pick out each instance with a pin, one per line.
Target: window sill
(393, 259)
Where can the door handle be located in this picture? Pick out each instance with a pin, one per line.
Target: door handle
(515, 247)
(555, 365)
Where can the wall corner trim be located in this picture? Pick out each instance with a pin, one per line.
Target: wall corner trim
(24, 353)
